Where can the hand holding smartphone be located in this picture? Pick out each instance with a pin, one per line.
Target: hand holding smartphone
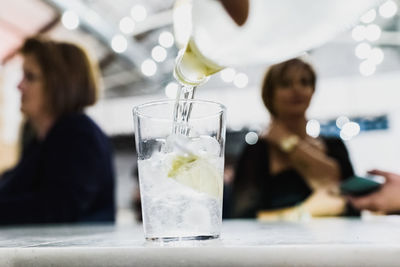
(359, 186)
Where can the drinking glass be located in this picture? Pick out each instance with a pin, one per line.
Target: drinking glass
(180, 171)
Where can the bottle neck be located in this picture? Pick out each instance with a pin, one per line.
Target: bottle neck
(184, 78)
(192, 67)
(186, 72)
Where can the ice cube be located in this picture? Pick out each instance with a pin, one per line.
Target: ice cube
(181, 144)
(204, 145)
(197, 215)
(176, 143)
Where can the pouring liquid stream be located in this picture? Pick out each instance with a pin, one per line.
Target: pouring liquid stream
(191, 70)
(182, 110)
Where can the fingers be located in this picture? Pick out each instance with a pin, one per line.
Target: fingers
(238, 10)
(364, 203)
(379, 172)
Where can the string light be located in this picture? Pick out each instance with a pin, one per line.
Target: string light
(119, 43)
(70, 20)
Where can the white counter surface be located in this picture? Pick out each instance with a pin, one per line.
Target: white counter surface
(319, 242)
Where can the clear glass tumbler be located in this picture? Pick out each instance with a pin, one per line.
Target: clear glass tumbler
(180, 172)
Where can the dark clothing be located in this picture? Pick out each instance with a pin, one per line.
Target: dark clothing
(67, 177)
(255, 188)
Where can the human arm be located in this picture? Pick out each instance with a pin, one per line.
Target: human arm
(386, 199)
(319, 204)
(307, 156)
(73, 169)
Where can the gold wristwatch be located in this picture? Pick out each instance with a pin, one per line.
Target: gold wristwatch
(288, 144)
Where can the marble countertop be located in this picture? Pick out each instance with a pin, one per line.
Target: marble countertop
(318, 242)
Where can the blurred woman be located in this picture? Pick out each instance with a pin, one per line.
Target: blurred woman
(66, 171)
(287, 168)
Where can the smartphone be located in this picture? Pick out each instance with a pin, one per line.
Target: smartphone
(359, 186)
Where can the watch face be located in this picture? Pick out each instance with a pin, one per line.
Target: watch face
(289, 143)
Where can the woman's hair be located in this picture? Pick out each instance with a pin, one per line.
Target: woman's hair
(277, 76)
(68, 75)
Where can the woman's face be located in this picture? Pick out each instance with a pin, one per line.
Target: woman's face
(293, 96)
(31, 88)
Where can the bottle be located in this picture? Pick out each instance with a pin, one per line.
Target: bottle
(274, 31)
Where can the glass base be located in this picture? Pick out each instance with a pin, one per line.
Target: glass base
(182, 238)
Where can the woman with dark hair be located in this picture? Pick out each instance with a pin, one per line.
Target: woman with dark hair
(65, 173)
(287, 168)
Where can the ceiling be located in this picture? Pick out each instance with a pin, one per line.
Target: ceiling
(122, 75)
(19, 19)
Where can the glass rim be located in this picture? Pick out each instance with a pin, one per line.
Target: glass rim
(136, 109)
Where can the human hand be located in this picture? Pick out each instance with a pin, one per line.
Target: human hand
(277, 132)
(386, 199)
(323, 202)
(237, 9)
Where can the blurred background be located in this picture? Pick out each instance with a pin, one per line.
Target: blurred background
(357, 97)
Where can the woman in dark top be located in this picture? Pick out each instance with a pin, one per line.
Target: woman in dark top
(65, 173)
(287, 167)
